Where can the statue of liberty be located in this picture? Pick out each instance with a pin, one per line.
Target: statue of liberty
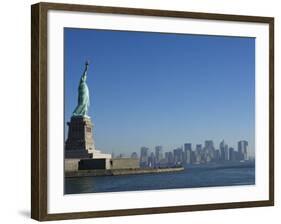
(83, 95)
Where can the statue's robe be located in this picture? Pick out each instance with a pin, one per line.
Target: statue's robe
(83, 98)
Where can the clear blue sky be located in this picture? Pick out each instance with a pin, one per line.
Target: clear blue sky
(150, 89)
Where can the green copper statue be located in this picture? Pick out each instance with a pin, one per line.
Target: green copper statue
(83, 95)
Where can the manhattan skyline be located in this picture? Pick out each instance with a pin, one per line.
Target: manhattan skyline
(163, 89)
(193, 147)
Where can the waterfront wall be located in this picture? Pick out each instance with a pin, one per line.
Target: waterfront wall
(71, 165)
(124, 163)
(117, 172)
(101, 163)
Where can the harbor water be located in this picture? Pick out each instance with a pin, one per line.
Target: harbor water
(192, 177)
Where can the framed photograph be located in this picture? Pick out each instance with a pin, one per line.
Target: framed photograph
(141, 111)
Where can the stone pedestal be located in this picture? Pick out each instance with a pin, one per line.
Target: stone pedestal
(80, 151)
(80, 142)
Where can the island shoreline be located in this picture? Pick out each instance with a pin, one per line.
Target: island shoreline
(119, 172)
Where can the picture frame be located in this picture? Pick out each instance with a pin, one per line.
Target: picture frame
(41, 98)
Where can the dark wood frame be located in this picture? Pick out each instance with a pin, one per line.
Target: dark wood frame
(39, 110)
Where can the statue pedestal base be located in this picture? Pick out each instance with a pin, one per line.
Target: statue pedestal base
(80, 142)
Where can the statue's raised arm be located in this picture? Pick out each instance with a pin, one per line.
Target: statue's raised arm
(84, 76)
(83, 95)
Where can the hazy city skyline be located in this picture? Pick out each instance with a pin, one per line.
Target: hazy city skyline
(176, 146)
(149, 89)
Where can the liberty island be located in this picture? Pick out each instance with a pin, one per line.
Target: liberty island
(81, 156)
(80, 142)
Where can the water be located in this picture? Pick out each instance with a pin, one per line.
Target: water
(191, 177)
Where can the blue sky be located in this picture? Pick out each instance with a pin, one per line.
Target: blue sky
(150, 89)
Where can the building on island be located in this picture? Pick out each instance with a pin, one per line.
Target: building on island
(243, 150)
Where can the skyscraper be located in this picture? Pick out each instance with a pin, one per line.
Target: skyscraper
(209, 150)
(217, 155)
(209, 144)
(242, 150)
(224, 152)
(187, 153)
(226, 149)
(144, 156)
(198, 147)
(178, 156)
(232, 156)
(170, 158)
(158, 154)
(198, 153)
(151, 160)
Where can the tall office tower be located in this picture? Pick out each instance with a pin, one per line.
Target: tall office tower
(242, 150)
(226, 149)
(151, 160)
(198, 148)
(222, 156)
(170, 159)
(158, 154)
(224, 153)
(209, 150)
(144, 156)
(198, 154)
(187, 153)
(217, 155)
(134, 155)
(166, 158)
(178, 156)
(193, 157)
(209, 144)
(232, 154)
